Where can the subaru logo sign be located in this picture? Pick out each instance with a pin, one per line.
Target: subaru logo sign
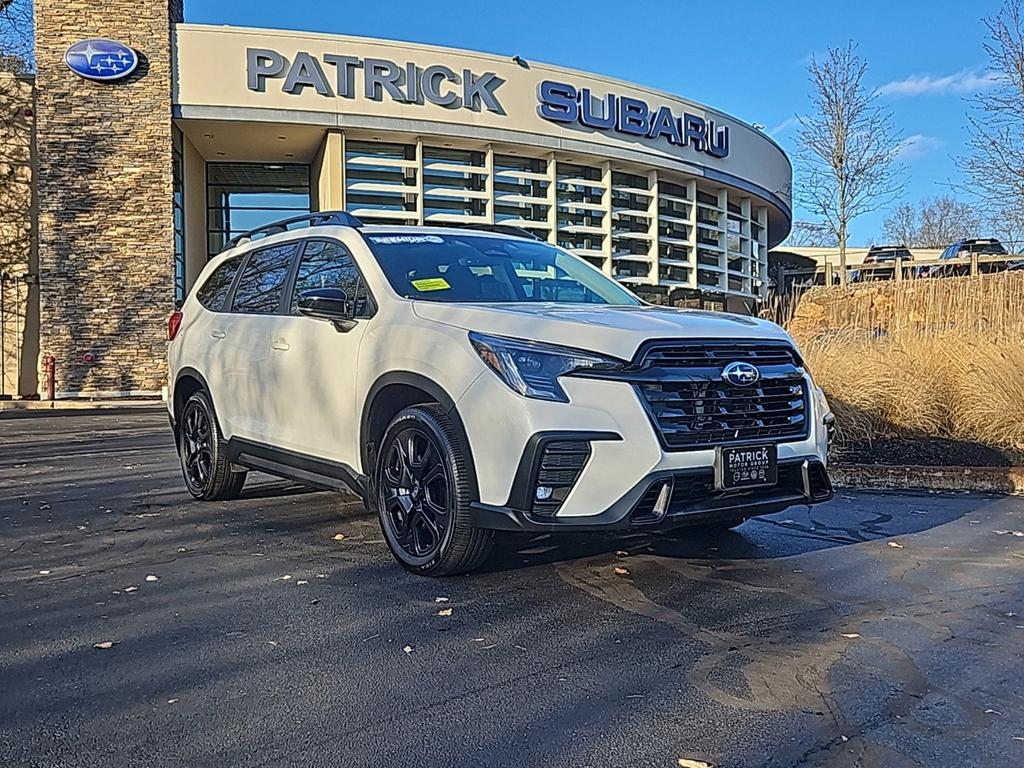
(741, 374)
(101, 59)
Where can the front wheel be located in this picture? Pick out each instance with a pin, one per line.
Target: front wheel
(423, 490)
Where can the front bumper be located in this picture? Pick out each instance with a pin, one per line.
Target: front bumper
(691, 500)
(623, 457)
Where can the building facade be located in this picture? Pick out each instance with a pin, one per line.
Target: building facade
(218, 130)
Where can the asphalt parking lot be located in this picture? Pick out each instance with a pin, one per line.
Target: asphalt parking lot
(877, 630)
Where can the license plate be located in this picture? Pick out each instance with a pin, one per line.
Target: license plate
(746, 466)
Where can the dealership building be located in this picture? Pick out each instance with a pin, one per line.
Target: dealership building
(145, 159)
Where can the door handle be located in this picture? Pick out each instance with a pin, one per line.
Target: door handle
(280, 345)
(218, 334)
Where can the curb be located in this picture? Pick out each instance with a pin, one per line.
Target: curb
(880, 477)
(71, 405)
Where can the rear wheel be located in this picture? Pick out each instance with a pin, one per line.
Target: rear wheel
(423, 490)
(203, 452)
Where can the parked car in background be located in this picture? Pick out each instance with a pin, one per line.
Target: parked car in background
(965, 249)
(883, 254)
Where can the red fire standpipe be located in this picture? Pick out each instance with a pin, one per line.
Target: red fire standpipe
(51, 377)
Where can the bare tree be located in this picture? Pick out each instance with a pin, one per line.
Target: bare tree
(809, 234)
(17, 44)
(900, 226)
(945, 220)
(933, 224)
(995, 160)
(848, 146)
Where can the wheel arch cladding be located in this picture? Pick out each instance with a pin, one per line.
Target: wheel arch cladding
(388, 396)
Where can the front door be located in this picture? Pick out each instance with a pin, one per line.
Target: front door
(313, 364)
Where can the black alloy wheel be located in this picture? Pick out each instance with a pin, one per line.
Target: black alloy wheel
(204, 453)
(416, 493)
(196, 449)
(422, 490)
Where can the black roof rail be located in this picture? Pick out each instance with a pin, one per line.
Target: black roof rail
(501, 229)
(318, 219)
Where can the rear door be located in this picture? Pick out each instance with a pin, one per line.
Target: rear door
(313, 364)
(257, 307)
(205, 339)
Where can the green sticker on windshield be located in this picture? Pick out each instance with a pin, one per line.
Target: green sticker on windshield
(431, 284)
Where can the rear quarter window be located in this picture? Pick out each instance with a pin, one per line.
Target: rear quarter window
(213, 293)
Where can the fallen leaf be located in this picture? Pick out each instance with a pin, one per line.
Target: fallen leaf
(445, 612)
(895, 545)
(339, 536)
(621, 571)
(106, 645)
(685, 762)
(408, 649)
(441, 600)
(850, 635)
(151, 577)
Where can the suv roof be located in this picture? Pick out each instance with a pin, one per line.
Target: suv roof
(346, 219)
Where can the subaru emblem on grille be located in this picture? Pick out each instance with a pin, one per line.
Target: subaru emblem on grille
(741, 374)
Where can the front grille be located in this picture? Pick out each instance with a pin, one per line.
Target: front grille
(560, 465)
(701, 354)
(691, 406)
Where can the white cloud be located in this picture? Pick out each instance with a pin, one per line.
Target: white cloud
(918, 145)
(964, 81)
(785, 125)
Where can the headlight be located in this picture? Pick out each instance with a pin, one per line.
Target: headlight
(532, 369)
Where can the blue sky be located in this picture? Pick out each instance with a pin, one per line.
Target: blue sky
(749, 59)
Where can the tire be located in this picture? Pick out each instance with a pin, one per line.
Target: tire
(422, 487)
(204, 453)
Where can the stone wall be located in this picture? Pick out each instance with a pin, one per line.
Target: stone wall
(19, 300)
(105, 191)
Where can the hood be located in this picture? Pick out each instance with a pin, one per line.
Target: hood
(615, 331)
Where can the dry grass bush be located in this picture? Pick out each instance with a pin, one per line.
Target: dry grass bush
(929, 358)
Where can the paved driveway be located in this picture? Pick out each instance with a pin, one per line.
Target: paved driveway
(879, 630)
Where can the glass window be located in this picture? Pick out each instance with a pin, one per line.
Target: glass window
(259, 287)
(214, 291)
(244, 196)
(327, 264)
(466, 268)
(178, 204)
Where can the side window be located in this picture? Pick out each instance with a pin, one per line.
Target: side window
(259, 287)
(214, 292)
(327, 264)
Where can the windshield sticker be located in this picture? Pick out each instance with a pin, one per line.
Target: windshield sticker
(431, 284)
(404, 239)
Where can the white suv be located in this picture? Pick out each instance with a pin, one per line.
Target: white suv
(464, 381)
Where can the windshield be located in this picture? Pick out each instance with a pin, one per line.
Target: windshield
(475, 267)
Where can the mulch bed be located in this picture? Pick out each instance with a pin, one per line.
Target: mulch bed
(927, 452)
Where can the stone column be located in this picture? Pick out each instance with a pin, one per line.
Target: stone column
(104, 185)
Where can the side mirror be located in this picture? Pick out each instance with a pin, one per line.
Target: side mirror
(331, 304)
